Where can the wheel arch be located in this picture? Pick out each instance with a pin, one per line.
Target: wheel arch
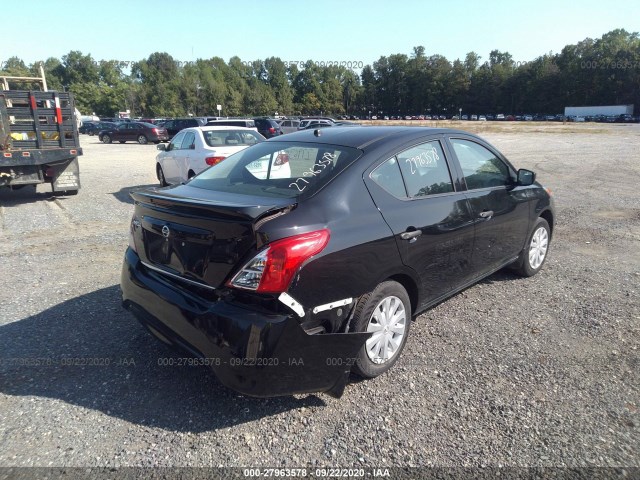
(410, 286)
(548, 216)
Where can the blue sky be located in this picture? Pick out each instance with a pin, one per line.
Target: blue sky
(323, 30)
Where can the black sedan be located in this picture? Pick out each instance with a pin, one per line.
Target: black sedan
(286, 285)
(94, 128)
(140, 132)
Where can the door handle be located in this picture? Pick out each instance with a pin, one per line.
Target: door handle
(486, 214)
(410, 234)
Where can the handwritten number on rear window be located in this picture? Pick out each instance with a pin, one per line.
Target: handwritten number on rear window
(316, 169)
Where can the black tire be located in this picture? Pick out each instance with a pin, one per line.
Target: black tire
(191, 174)
(529, 262)
(122, 141)
(106, 139)
(160, 175)
(391, 294)
(142, 140)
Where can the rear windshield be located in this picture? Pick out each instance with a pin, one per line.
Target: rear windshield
(231, 138)
(277, 169)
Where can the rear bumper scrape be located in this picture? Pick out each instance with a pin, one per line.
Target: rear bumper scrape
(252, 352)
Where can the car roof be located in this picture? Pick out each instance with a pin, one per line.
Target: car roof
(363, 136)
(208, 128)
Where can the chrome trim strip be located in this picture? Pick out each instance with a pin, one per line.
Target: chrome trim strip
(177, 277)
(332, 305)
(292, 303)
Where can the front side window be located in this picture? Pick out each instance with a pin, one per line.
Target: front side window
(425, 171)
(480, 167)
(278, 169)
(176, 142)
(189, 139)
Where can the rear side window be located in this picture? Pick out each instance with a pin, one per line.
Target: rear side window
(278, 169)
(425, 171)
(481, 168)
(388, 176)
(226, 138)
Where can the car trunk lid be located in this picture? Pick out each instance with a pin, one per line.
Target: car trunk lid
(198, 235)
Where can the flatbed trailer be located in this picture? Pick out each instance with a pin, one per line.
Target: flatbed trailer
(39, 140)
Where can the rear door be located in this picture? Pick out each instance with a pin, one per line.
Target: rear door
(430, 219)
(135, 130)
(500, 210)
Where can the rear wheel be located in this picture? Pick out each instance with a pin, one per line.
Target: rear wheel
(387, 313)
(160, 175)
(535, 252)
(142, 140)
(121, 141)
(106, 139)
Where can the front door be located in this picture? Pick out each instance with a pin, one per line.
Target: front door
(171, 159)
(500, 211)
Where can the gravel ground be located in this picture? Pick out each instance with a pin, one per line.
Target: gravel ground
(511, 372)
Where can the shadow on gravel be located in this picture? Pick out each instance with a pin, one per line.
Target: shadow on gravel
(26, 194)
(123, 196)
(89, 352)
(504, 275)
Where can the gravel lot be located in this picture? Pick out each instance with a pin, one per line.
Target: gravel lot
(511, 372)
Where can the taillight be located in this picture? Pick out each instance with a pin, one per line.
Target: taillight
(272, 270)
(135, 224)
(155, 131)
(281, 159)
(272, 130)
(213, 160)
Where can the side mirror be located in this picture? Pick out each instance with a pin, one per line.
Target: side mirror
(526, 177)
(161, 146)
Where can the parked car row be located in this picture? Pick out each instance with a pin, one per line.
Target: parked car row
(162, 130)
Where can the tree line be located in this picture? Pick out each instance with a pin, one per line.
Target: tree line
(603, 71)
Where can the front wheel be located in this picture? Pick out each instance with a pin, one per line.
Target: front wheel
(160, 175)
(142, 140)
(106, 139)
(386, 312)
(535, 252)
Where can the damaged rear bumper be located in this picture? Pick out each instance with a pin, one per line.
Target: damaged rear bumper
(253, 352)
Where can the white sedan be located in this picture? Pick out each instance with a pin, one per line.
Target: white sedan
(195, 149)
